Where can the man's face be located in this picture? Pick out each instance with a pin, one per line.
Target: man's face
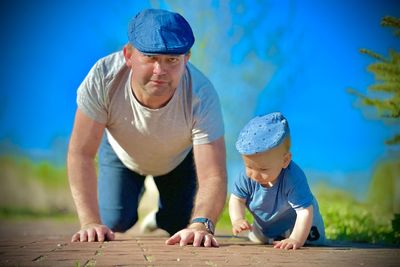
(156, 75)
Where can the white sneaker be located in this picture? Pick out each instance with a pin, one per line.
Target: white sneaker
(253, 238)
(149, 223)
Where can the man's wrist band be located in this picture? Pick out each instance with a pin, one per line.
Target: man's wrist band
(207, 223)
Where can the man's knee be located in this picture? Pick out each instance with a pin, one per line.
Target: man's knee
(118, 221)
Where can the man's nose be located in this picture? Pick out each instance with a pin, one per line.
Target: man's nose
(159, 68)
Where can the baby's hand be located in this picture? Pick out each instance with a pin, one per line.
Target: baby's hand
(287, 243)
(240, 225)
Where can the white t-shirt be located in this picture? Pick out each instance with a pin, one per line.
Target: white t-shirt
(150, 141)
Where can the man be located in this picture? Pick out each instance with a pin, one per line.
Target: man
(151, 113)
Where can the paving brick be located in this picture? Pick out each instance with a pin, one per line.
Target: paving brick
(152, 251)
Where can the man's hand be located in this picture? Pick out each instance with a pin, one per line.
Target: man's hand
(92, 233)
(240, 225)
(195, 235)
(288, 243)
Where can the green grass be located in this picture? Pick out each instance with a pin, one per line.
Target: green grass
(346, 219)
(351, 220)
(18, 213)
(42, 172)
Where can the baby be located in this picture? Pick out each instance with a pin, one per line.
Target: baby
(273, 188)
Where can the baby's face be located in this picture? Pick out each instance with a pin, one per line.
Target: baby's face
(265, 167)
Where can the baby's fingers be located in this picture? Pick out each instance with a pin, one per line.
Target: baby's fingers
(236, 230)
(245, 226)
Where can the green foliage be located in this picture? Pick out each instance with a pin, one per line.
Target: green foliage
(375, 219)
(39, 187)
(396, 224)
(392, 22)
(384, 96)
(383, 186)
(18, 213)
(346, 219)
(43, 172)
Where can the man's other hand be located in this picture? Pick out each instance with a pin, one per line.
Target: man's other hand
(93, 233)
(193, 236)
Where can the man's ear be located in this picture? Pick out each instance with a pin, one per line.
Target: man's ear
(128, 51)
(187, 56)
(286, 159)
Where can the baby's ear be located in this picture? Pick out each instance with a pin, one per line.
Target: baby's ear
(286, 159)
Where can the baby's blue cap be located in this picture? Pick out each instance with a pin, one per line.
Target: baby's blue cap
(262, 133)
(157, 31)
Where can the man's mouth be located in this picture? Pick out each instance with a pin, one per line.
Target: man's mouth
(158, 81)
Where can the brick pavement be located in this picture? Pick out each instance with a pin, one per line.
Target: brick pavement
(151, 251)
(45, 243)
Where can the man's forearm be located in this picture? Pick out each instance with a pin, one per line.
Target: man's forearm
(83, 184)
(210, 198)
(210, 161)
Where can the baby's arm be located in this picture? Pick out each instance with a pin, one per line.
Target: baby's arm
(237, 207)
(300, 231)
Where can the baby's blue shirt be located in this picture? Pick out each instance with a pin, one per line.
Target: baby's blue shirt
(274, 208)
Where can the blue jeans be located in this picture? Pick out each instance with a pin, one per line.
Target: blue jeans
(120, 190)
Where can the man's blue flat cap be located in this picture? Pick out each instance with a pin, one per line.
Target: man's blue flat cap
(262, 133)
(157, 31)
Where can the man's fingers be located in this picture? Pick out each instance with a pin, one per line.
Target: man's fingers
(207, 241)
(110, 236)
(173, 239)
(83, 236)
(75, 237)
(91, 233)
(198, 238)
(186, 238)
(214, 242)
(105, 234)
(100, 232)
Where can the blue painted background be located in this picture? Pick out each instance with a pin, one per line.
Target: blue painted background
(298, 57)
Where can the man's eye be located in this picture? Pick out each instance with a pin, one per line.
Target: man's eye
(173, 60)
